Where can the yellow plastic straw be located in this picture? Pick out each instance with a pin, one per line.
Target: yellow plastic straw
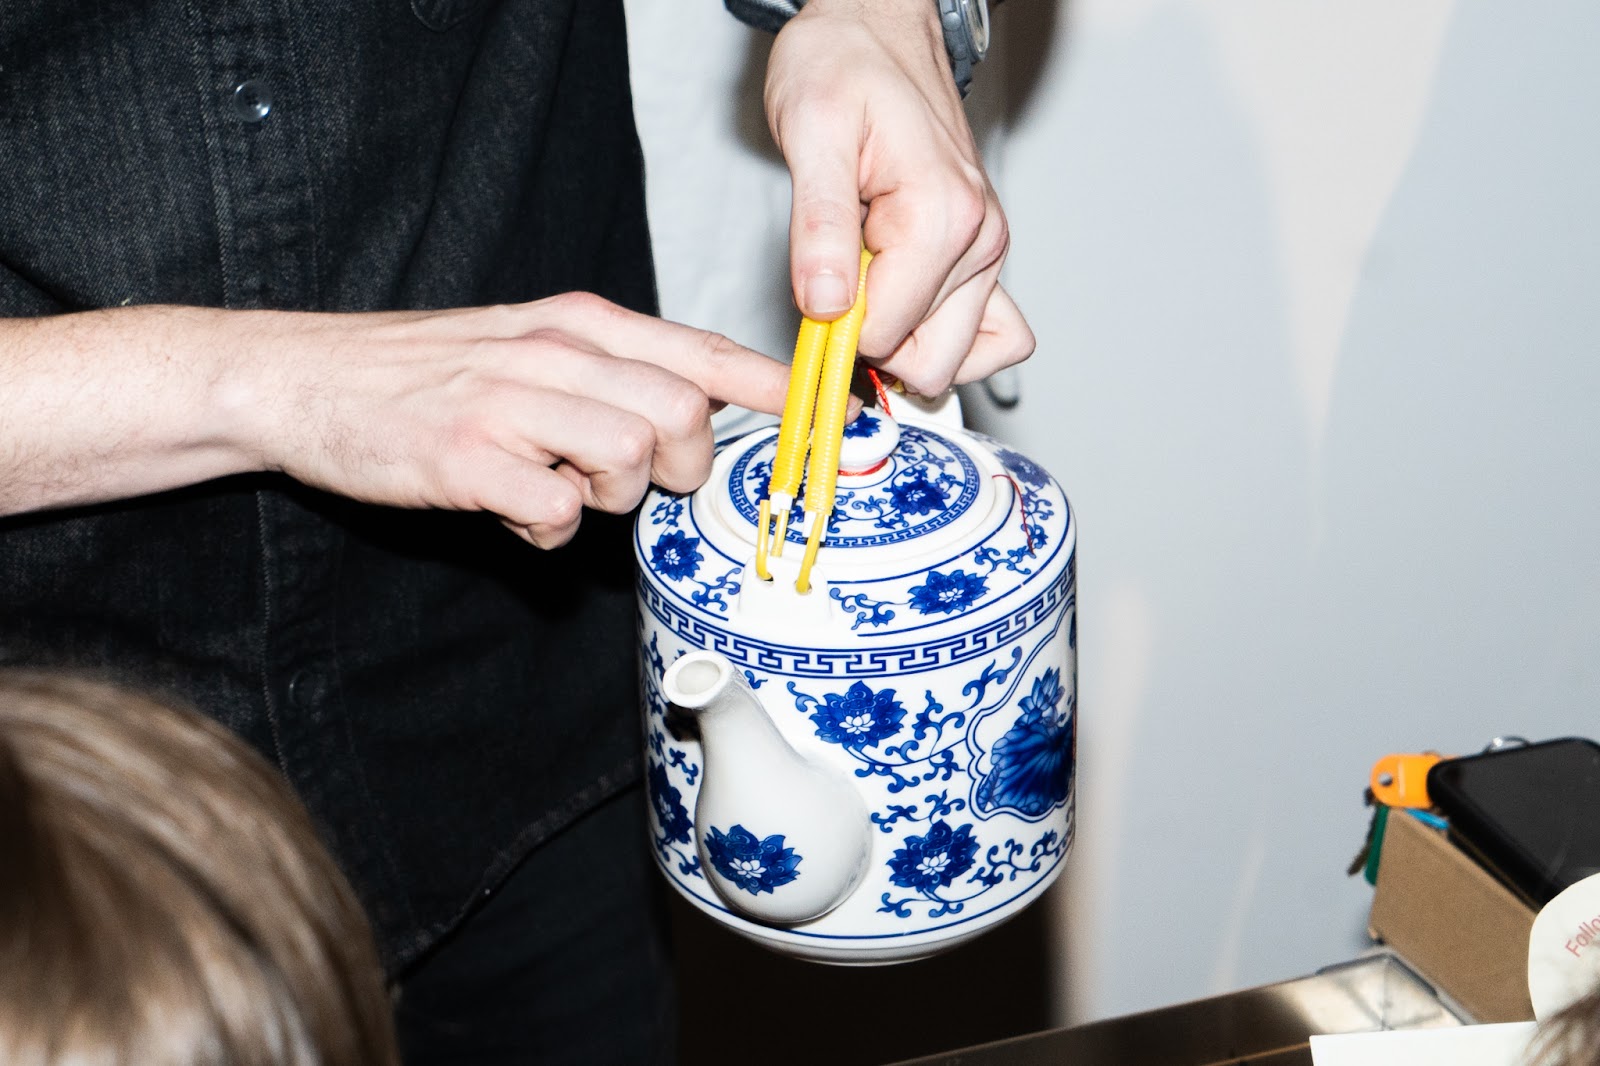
(827, 435)
(813, 422)
(798, 405)
(763, 516)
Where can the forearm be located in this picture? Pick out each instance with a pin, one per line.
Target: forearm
(531, 411)
(113, 404)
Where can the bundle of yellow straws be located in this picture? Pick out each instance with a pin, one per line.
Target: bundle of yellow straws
(813, 420)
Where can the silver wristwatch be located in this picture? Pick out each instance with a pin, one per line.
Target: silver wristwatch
(965, 24)
(966, 37)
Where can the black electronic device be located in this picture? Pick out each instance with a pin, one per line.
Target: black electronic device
(1530, 813)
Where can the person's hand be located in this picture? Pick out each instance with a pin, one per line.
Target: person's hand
(862, 104)
(532, 412)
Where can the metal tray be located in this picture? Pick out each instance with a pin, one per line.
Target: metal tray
(1267, 1026)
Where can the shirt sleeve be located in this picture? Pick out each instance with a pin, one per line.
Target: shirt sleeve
(769, 15)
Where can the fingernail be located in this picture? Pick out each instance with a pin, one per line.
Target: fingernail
(827, 294)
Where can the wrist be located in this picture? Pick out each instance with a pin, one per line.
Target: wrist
(901, 12)
(200, 378)
(111, 404)
(953, 34)
(245, 384)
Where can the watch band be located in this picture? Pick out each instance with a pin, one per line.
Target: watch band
(958, 42)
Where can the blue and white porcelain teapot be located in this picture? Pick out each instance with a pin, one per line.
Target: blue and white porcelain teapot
(883, 766)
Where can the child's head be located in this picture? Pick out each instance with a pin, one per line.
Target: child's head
(1572, 1037)
(164, 898)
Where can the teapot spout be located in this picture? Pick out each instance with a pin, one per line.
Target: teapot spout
(709, 685)
(782, 838)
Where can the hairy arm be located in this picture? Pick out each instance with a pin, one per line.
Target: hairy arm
(531, 412)
(109, 404)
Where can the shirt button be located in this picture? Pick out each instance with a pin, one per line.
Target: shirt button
(305, 689)
(252, 100)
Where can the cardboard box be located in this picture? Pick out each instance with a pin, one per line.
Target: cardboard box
(1452, 921)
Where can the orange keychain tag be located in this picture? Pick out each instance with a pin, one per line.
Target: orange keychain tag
(1402, 780)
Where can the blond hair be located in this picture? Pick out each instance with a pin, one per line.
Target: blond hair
(1571, 1037)
(164, 899)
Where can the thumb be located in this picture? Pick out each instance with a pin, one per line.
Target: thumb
(825, 221)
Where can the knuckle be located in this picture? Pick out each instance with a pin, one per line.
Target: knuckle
(585, 305)
(548, 537)
(717, 352)
(1024, 344)
(633, 443)
(560, 510)
(819, 214)
(918, 377)
(684, 408)
(968, 209)
(993, 240)
(687, 472)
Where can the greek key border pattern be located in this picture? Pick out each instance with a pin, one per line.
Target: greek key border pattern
(864, 662)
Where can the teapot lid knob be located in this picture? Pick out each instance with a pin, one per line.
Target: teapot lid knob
(868, 443)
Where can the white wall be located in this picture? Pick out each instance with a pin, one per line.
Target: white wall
(1317, 291)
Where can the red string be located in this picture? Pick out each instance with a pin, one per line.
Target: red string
(1022, 505)
(873, 469)
(883, 397)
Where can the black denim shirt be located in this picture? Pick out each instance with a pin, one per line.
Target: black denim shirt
(443, 696)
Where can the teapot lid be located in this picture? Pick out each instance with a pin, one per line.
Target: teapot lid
(897, 484)
(930, 523)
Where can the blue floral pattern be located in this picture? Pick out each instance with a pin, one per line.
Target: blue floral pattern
(1025, 469)
(926, 756)
(667, 802)
(674, 824)
(929, 484)
(1032, 763)
(1038, 506)
(934, 860)
(917, 495)
(903, 504)
(942, 593)
(755, 865)
(947, 593)
(953, 770)
(929, 866)
(941, 862)
(866, 424)
(676, 555)
(1045, 696)
(859, 718)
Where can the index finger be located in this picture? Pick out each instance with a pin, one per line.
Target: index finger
(724, 371)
